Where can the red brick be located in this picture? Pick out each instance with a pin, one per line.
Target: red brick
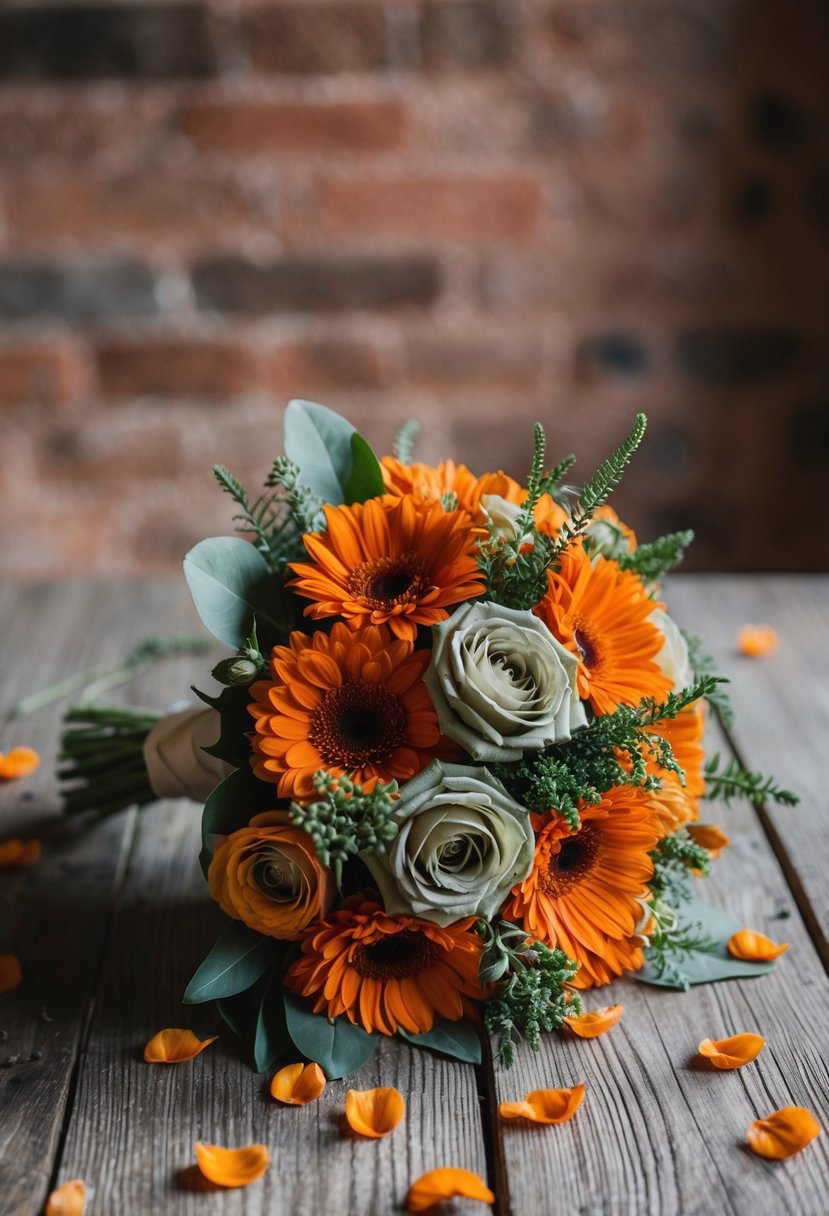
(302, 38)
(325, 366)
(174, 368)
(468, 365)
(252, 128)
(49, 373)
(110, 450)
(467, 34)
(506, 207)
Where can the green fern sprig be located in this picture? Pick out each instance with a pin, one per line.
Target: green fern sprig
(734, 781)
(653, 560)
(404, 442)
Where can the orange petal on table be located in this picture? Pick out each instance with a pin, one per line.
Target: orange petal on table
(734, 1052)
(433, 1188)
(17, 854)
(232, 1166)
(174, 1046)
(708, 836)
(69, 1199)
(783, 1133)
(756, 641)
(597, 1021)
(545, 1105)
(754, 947)
(374, 1112)
(19, 762)
(298, 1084)
(11, 977)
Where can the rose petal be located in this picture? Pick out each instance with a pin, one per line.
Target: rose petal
(756, 641)
(733, 1052)
(783, 1133)
(374, 1112)
(11, 976)
(754, 947)
(709, 836)
(69, 1199)
(19, 762)
(447, 1183)
(298, 1084)
(174, 1046)
(545, 1105)
(590, 1025)
(232, 1166)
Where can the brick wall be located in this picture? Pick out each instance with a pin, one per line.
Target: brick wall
(476, 212)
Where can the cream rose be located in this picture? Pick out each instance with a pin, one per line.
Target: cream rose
(673, 659)
(462, 843)
(503, 516)
(501, 683)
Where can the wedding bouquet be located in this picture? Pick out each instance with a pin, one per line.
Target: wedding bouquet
(453, 777)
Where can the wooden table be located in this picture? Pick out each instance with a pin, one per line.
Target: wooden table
(110, 924)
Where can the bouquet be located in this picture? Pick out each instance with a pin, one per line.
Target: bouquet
(453, 776)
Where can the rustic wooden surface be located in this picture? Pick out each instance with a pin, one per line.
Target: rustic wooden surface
(111, 922)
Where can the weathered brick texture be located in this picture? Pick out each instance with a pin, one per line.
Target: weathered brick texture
(475, 212)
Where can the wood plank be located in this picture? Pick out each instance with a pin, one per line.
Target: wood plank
(133, 1127)
(782, 705)
(658, 1134)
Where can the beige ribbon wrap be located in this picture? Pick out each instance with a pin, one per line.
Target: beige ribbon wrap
(177, 765)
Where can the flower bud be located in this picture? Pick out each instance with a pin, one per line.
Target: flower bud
(239, 671)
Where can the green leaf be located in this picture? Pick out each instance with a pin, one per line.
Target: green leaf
(338, 1047)
(365, 479)
(237, 960)
(319, 441)
(706, 968)
(230, 581)
(460, 1040)
(271, 1041)
(230, 806)
(235, 722)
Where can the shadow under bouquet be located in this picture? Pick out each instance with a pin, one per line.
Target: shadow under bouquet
(453, 776)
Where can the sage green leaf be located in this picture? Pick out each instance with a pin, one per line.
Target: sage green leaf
(700, 967)
(230, 581)
(366, 478)
(231, 806)
(460, 1040)
(319, 441)
(271, 1041)
(237, 960)
(338, 1047)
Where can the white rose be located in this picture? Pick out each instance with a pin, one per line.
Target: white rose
(501, 683)
(673, 659)
(463, 844)
(502, 517)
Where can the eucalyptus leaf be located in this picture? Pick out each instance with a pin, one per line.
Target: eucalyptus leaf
(338, 1047)
(460, 1040)
(237, 960)
(230, 582)
(319, 441)
(700, 967)
(271, 1041)
(365, 479)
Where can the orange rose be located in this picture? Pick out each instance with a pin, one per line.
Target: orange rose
(269, 876)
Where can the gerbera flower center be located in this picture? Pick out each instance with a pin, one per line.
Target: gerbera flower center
(385, 581)
(395, 956)
(586, 644)
(575, 859)
(358, 724)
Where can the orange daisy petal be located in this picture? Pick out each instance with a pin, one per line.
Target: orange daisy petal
(232, 1166)
(175, 1046)
(754, 947)
(298, 1084)
(733, 1052)
(447, 1183)
(374, 1112)
(597, 1021)
(69, 1199)
(783, 1133)
(19, 762)
(757, 641)
(545, 1105)
(17, 854)
(709, 836)
(11, 976)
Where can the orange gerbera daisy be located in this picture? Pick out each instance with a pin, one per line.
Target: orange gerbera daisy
(389, 560)
(584, 890)
(680, 803)
(601, 614)
(349, 702)
(387, 973)
(428, 484)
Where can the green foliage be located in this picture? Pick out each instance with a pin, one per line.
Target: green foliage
(235, 722)
(231, 806)
(673, 942)
(237, 960)
(405, 440)
(652, 560)
(690, 947)
(336, 463)
(366, 478)
(460, 1040)
(233, 588)
(102, 757)
(337, 1046)
(673, 859)
(277, 518)
(702, 664)
(724, 781)
(344, 821)
(550, 482)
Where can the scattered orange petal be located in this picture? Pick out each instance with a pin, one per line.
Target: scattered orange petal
(709, 836)
(232, 1166)
(11, 977)
(174, 1046)
(734, 1052)
(754, 947)
(447, 1183)
(756, 641)
(783, 1133)
(545, 1105)
(298, 1084)
(374, 1112)
(17, 854)
(19, 762)
(69, 1199)
(597, 1021)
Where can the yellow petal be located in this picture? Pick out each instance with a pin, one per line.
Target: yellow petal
(754, 947)
(67, 1200)
(374, 1112)
(433, 1188)
(756, 641)
(19, 762)
(734, 1052)
(17, 854)
(597, 1021)
(174, 1046)
(783, 1133)
(545, 1105)
(298, 1084)
(232, 1166)
(11, 976)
